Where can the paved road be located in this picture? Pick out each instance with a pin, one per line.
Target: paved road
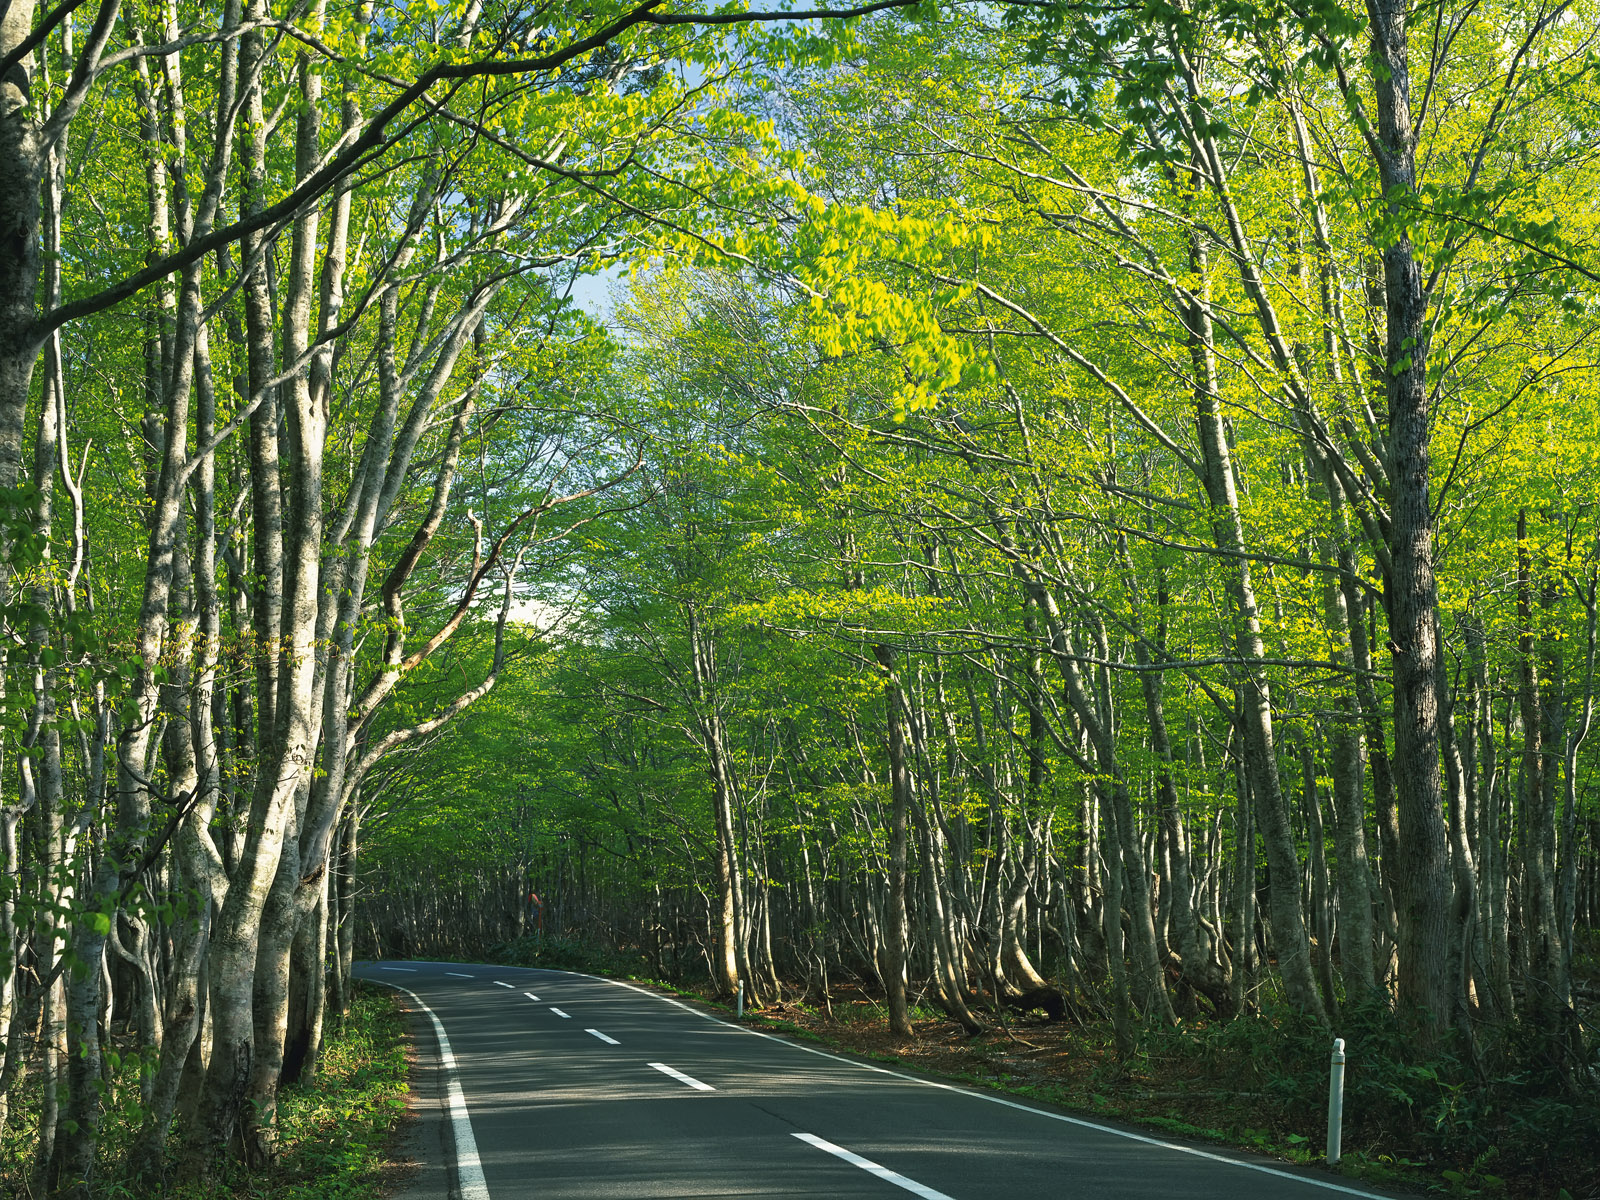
(563, 1085)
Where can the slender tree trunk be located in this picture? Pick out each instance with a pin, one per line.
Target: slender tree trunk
(1244, 890)
(1111, 920)
(344, 886)
(1464, 905)
(1548, 1004)
(1570, 847)
(1321, 895)
(1200, 957)
(1259, 749)
(728, 868)
(948, 959)
(893, 968)
(1133, 884)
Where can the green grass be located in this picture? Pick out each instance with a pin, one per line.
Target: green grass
(334, 1131)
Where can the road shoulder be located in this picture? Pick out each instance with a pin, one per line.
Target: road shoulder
(422, 1150)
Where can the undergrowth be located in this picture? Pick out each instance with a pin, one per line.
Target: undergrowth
(334, 1130)
(1422, 1118)
(1434, 1114)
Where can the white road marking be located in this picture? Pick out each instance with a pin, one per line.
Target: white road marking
(682, 1078)
(530, 995)
(610, 1041)
(411, 970)
(498, 983)
(459, 975)
(469, 1168)
(559, 1013)
(866, 1164)
(1262, 1168)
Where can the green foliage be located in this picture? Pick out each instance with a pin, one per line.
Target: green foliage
(896, 416)
(1434, 1102)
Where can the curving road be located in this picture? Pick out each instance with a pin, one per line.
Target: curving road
(553, 1084)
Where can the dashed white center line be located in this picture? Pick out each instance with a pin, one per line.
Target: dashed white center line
(610, 1041)
(682, 1078)
(499, 984)
(530, 995)
(866, 1164)
(459, 975)
(411, 970)
(559, 1013)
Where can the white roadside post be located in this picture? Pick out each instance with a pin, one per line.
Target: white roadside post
(1336, 1102)
(739, 1012)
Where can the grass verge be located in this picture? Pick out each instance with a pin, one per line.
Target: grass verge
(336, 1131)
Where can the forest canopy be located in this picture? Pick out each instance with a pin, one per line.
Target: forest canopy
(1066, 504)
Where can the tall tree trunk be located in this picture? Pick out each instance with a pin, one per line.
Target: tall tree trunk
(1548, 1005)
(1464, 904)
(728, 957)
(344, 888)
(1321, 895)
(893, 967)
(1244, 890)
(1420, 874)
(22, 169)
(1200, 957)
(949, 982)
(1493, 967)
(1259, 754)
(1111, 922)
(1133, 885)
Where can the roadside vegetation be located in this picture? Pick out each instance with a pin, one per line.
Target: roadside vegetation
(340, 1127)
(1258, 1088)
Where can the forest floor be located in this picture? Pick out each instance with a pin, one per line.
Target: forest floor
(1232, 1085)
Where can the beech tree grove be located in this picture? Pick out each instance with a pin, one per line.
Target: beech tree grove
(1064, 499)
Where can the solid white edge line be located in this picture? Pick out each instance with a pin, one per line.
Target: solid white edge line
(682, 1078)
(504, 985)
(559, 1013)
(1195, 1151)
(866, 1164)
(469, 1167)
(530, 995)
(610, 1041)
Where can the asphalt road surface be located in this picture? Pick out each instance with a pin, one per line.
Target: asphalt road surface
(552, 1084)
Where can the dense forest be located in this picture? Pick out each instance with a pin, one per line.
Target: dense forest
(1066, 504)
